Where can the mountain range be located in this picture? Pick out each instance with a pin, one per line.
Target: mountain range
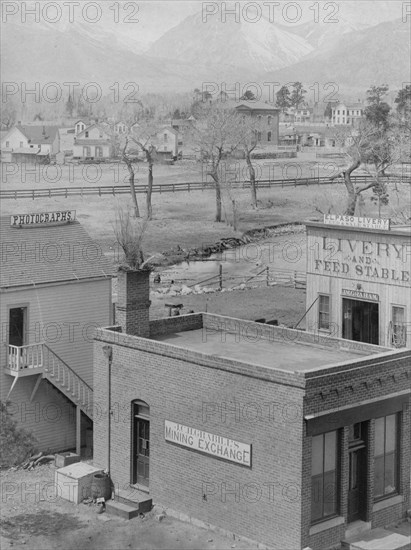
(353, 53)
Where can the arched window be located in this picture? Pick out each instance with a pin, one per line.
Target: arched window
(269, 136)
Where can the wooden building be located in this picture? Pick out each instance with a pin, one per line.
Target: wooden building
(359, 280)
(55, 290)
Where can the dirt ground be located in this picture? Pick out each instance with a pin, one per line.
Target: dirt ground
(33, 518)
(285, 304)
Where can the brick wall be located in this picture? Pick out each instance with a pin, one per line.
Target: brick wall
(271, 502)
(262, 502)
(133, 304)
(330, 390)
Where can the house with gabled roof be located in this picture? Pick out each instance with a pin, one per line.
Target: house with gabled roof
(55, 288)
(31, 143)
(93, 142)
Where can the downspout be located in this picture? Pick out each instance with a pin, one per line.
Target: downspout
(108, 352)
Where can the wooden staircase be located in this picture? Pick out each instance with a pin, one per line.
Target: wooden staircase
(58, 373)
(41, 361)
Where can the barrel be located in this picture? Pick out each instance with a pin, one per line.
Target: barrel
(101, 486)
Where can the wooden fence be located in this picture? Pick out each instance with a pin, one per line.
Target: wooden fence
(100, 191)
(266, 277)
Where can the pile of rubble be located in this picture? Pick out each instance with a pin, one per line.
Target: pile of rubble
(184, 290)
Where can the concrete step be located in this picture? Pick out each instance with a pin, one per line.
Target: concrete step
(121, 510)
(358, 527)
(377, 539)
(134, 498)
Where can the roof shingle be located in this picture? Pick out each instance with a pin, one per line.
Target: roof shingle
(36, 255)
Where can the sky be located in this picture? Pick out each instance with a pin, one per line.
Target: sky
(143, 22)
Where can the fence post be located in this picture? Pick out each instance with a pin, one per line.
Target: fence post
(268, 275)
(221, 276)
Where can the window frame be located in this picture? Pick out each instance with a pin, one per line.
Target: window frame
(320, 313)
(335, 513)
(397, 461)
(404, 308)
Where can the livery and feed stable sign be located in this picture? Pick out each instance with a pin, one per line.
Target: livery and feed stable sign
(42, 218)
(354, 221)
(211, 444)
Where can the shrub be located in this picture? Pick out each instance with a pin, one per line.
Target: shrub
(16, 444)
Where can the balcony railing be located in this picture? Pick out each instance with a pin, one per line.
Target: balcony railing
(25, 357)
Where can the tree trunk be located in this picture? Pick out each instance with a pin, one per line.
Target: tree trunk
(214, 175)
(218, 201)
(252, 179)
(352, 193)
(149, 188)
(132, 188)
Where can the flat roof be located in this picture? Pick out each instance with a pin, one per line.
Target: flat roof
(294, 356)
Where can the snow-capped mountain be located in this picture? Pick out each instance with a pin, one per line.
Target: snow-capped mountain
(255, 47)
(353, 52)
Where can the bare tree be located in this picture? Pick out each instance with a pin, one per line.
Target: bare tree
(214, 136)
(129, 160)
(144, 135)
(250, 128)
(374, 149)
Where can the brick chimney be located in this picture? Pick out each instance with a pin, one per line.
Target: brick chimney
(133, 302)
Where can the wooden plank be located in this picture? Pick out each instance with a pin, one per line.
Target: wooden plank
(78, 429)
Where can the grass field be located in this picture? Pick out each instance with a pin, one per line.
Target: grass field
(186, 219)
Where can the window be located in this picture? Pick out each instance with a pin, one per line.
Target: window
(258, 136)
(269, 121)
(324, 312)
(7, 143)
(385, 456)
(338, 112)
(398, 327)
(324, 476)
(165, 137)
(269, 136)
(86, 134)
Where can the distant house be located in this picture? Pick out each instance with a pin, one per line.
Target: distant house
(288, 136)
(347, 114)
(81, 125)
(30, 143)
(168, 143)
(67, 135)
(267, 117)
(120, 128)
(93, 142)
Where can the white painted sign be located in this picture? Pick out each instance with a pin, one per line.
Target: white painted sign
(359, 294)
(42, 218)
(208, 443)
(354, 221)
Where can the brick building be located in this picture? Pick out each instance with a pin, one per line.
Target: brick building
(277, 435)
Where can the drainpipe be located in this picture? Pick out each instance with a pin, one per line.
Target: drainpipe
(108, 352)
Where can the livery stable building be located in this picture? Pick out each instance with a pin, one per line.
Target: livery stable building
(55, 289)
(359, 280)
(286, 438)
